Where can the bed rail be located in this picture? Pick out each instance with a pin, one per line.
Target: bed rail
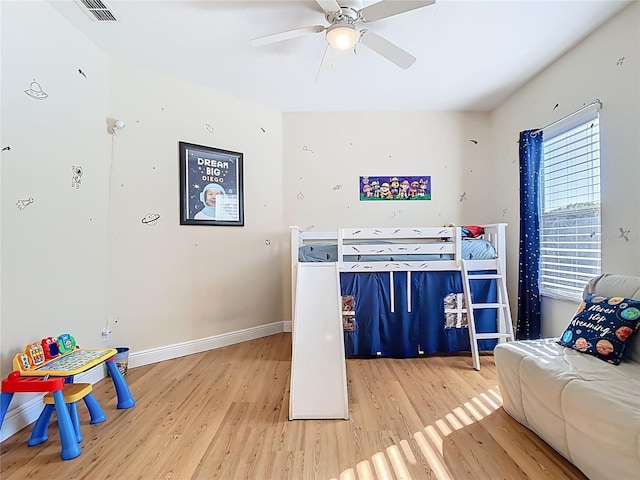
(496, 234)
(412, 249)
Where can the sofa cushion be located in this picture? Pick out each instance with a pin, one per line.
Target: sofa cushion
(532, 375)
(542, 398)
(609, 285)
(602, 326)
(508, 357)
(604, 413)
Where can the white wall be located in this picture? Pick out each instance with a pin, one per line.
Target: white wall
(53, 261)
(53, 251)
(75, 257)
(605, 66)
(326, 153)
(171, 283)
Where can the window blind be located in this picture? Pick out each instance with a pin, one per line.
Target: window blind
(570, 210)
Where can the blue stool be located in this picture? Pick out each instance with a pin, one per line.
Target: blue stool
(72, 392)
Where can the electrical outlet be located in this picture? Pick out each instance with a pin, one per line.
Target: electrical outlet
(105, 334)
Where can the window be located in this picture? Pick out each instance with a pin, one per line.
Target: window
(570, 208)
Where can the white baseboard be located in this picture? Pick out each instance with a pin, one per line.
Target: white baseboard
(28, 411)
(287, 326)
(154, 355)
(21, 416)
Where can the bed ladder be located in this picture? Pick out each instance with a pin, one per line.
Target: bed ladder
(504, 323)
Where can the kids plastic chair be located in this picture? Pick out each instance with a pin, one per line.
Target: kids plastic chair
(72, 393)
(14, 383)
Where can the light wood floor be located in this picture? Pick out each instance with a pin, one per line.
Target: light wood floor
(223, 415)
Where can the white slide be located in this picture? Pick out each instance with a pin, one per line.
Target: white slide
(318, 369)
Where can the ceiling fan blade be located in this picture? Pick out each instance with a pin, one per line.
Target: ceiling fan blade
(329, 6)
(388, 8)
(388, 50)
(277, 37)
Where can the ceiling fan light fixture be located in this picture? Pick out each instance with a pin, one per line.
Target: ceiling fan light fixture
(342, 36)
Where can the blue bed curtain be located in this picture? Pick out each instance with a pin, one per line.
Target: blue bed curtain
(528, 325)
(401, 333)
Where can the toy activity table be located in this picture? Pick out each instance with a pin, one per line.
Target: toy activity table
(51, 376)
(81, 360)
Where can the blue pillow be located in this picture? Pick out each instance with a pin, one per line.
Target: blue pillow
(602, 326)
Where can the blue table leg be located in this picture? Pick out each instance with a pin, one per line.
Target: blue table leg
(39, 433)
(68, 439)
(125, 400)
(5, 400)
(95, 410)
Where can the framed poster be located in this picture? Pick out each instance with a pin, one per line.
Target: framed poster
(416, 187)
(211, 189)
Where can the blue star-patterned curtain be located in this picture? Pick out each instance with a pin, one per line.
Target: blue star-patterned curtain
(528, 291)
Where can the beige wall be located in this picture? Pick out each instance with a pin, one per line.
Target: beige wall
(53, 250)
(326, 153)
(171, 283)
(76, 257)
(53, 262)
(589, 71)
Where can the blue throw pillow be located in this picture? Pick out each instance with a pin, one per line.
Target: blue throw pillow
(602, 326)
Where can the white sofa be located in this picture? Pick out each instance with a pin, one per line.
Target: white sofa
(586, 409)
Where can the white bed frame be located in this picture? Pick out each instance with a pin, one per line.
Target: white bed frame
(318, 370)
(406, 241)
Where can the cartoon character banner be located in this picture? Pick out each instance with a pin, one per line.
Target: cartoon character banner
(395, 188)
(211, 190)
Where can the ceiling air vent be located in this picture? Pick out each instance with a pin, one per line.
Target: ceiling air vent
(97, 10)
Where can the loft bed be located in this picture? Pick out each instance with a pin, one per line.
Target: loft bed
(371, 292)
(404, 285)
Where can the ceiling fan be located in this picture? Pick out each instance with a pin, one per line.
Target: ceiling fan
(343, 32)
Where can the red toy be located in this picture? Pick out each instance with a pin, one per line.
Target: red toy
(50, 347)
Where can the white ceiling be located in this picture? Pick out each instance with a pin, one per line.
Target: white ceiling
(471, 55)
